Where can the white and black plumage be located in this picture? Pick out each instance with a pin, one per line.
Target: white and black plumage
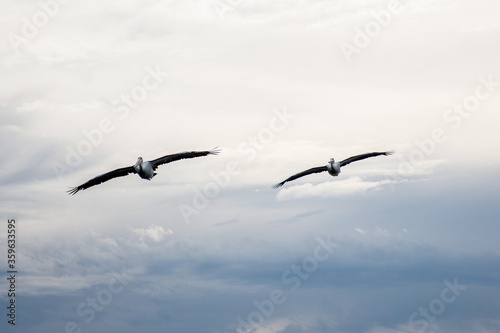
(144, 169)
(332, 167)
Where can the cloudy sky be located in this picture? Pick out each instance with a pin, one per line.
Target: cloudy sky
(405, 243)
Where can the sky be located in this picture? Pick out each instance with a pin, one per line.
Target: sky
(401, 243)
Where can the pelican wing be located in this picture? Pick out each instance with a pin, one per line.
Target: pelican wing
(103, 178)
(301, 174)
(362, 157)
(180, 156)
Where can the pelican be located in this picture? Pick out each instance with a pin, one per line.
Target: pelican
(145, 170)
(332, 167)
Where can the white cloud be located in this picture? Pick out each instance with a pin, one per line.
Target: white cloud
(334, 188)
(361, 231)
(404, 329)
(154, 232)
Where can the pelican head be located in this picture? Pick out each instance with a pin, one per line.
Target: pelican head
(332, 160)
(139, 162)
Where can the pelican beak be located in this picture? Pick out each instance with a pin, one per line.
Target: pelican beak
(139, 161)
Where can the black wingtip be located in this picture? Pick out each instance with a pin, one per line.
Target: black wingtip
(73, 191)
(387, 153)
(278, 185)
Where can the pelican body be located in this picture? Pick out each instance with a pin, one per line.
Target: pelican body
(333, 167)
(144, 169)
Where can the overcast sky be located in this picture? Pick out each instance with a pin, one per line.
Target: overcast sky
(404, 243)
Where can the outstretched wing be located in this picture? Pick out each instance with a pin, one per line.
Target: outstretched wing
(180, 156)
(301, 174)
(363, 156)
(102, 178)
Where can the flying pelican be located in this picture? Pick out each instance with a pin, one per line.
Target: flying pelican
(333, 167)
(144, 169)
